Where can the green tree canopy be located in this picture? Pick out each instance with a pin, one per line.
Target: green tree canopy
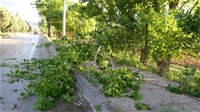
(4, 18)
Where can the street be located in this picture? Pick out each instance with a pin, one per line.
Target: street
(14, 50)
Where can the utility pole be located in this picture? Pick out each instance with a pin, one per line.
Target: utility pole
(64, 18)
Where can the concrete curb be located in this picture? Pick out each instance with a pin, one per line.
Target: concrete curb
(92, 95)
(51, 48)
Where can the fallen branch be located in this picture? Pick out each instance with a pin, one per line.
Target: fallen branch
(95, 57)
(111, 61)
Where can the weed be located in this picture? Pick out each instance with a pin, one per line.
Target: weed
(135, 95)
(11, 58)
(41, 45)
(97, 108)
(190, 83)
(169, 108)
(175, 90)
(142, 106)
(89, 74)
(47, 44)
(118, 108)
(9, 65)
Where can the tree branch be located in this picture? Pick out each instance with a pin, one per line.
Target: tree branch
(95, 57)
(184, 4)
(194, 6)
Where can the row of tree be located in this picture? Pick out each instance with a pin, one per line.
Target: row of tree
(13, 23)
(51, 12)
(159, 29)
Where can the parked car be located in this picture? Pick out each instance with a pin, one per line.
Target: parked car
(35, 32)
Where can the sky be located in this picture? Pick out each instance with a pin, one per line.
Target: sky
(24, 8)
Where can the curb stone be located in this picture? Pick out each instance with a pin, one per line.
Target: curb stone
(93, 96)
(51, 48)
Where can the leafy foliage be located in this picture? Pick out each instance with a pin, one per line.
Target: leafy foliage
(45, 103)
(97, 108)
(52, 12)
(142, 106)
(55, 80)
(147, 26)
(189, 83)
(125, 27)
(175, 90)
(136, 95)
(117, 81)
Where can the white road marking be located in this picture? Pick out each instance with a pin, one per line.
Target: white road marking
(35, 41)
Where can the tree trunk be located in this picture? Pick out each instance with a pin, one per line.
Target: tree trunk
(173, 5)
(163, 65)
(156, 6)
(144, 51)
(49, 29)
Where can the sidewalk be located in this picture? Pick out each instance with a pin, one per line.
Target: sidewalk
(155, 95)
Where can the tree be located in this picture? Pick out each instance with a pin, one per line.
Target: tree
(48, 10)
(77, 20)
(158, 34)
(13, 25)
(189, 22)
(25, 26)
(42, 25)
(4, 18)
(30, 28)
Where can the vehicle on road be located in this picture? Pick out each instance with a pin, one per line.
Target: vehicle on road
(35, 32)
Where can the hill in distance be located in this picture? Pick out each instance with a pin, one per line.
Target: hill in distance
(33, 24)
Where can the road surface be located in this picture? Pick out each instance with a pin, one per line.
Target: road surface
(14, 50)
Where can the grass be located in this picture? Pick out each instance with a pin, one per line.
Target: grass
(184, 76)
(88, 73)
(170, 108)
(46, 44)
(11, 58)
(175, 73)
(9, 65)
(6, 34)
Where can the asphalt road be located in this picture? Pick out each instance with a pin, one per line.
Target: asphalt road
(14, 50)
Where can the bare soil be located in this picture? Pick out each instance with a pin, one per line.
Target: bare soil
(188, 60)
